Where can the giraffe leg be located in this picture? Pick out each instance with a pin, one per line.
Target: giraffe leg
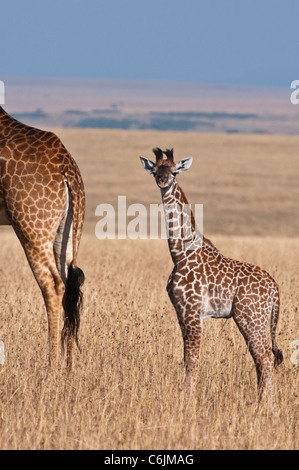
(191, 355)
(263, 358)
(192, 337)
(261, 352)
(43, 265)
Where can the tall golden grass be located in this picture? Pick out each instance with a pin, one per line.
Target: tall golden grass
(127, 387)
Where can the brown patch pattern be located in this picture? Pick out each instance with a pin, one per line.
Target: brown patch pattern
(36, 172)
(206, 284)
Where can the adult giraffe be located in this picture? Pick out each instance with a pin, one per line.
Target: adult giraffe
(42, 197)
(206, 284)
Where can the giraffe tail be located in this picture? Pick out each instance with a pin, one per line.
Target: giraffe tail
(73, 295)
(72, 304)
(278, 355)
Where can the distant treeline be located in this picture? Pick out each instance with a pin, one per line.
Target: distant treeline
(37, 114)
(113, 118)
(170, 121)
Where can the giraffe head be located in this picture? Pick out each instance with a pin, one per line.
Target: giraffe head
(165, 170)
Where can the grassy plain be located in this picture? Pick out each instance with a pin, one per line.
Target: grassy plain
(126, 390)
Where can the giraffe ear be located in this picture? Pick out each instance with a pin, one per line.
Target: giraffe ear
(183, 165)
(148, 165)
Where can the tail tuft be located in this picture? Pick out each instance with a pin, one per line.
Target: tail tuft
(278, 357)
(72, 304)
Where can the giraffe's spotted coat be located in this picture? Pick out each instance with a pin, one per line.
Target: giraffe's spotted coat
(36, 175)
(206, 284)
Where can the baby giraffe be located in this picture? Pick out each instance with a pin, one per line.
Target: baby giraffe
(206, 284)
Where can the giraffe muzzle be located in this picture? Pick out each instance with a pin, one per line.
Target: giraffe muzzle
(163, 182)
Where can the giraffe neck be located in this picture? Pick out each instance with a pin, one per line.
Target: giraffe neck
(183, 236)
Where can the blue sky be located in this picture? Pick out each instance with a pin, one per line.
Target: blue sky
(247, 42)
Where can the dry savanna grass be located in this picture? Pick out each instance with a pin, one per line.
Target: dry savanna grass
(127, 387)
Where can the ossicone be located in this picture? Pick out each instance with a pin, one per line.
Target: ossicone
(159, 154)
(169, 154)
